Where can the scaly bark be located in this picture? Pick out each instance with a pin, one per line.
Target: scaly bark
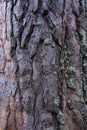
(43, 68)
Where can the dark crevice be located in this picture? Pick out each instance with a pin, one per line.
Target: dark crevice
(27, 39)
(8, 109)
(34, 109)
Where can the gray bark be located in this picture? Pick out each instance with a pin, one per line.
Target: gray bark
(47, 88)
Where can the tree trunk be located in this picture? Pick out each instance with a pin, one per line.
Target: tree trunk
(43, 65)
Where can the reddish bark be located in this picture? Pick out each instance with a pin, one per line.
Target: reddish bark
(43, 65)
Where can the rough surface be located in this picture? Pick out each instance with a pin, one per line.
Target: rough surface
(43, 65)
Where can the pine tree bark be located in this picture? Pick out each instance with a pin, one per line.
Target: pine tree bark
(43, 65)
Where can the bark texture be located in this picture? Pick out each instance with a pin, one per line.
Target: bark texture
(43, 65)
